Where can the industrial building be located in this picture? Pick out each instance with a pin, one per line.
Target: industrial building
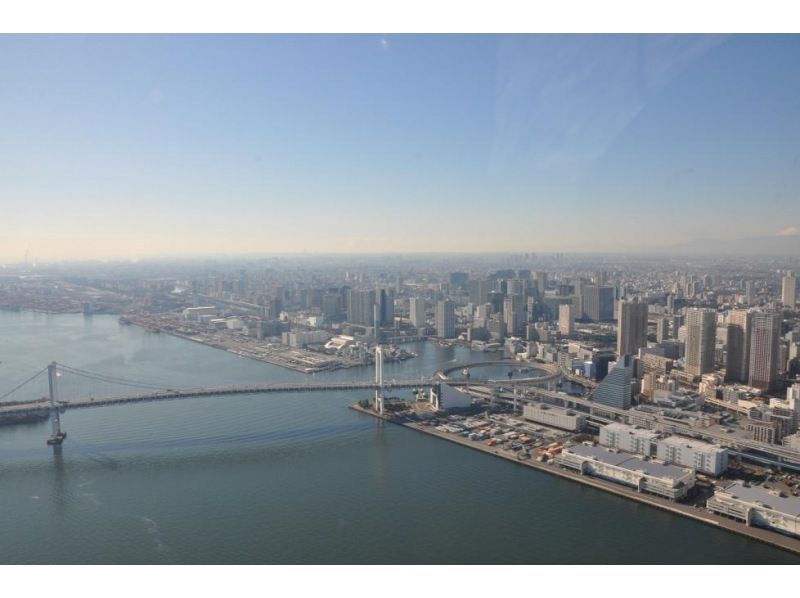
(684, 452)
(557, 417)
(668, 481)
(758, 506)
(700, 456)
(628, 438)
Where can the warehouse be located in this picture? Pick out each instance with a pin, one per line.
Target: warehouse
(668, 481)
(701, 456)
(628, 438)
(758, 506)
(549, 415)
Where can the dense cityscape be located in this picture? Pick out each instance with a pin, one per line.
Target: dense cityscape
(389, 298)
(676, 378)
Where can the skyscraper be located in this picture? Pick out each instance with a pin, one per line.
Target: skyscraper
(417, 312)
(764, 346)
(789, 290)
(386, 304)
(446, 319)
(631, 327)
(566, 321)
(598, 302)
(513, 313)
(479, 290)
(737, 359)
(360, 306)
(701, 333)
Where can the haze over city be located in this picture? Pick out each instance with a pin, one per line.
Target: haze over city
(125, 147)
(400, 300)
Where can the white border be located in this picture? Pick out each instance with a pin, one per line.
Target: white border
(425, 16)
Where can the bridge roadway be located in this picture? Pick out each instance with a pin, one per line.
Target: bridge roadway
(38, 406)
(553, 373)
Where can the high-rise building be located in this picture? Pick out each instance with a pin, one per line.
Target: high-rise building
(446, 319)
(566, 320)
(701, 330)
(541, 283)
(789, 290)
(737, 359)
(631, 327)
(513, 314)
(598, 302)
(360, 306)
(479, 290)
(748, 292)
(615, 389)
(386, 304)
(764, 353)
(662, 329)
(417, 312)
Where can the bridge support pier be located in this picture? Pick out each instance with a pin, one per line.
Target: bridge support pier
(57, 437)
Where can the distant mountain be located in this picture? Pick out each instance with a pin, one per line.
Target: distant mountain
(773, 245)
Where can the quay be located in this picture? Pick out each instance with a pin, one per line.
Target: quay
(696, 513)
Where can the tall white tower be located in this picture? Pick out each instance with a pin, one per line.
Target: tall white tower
(379, 379)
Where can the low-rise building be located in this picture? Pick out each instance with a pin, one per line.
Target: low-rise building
(700, 456)
(758, 506)
(628, 438)
(668, 481)
(557, 417)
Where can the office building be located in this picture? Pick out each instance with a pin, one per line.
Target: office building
(386, 307)
(566, 320)
(615, 389)
(598, 302)
(417, 312)
(631, 327)
(513, 314)
(446, 319)
(360, 306)
(764, 350)
(479, 290)
(701, 330)
(789, 290)
(737, 357)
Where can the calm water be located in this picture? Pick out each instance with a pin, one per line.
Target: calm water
(288, 478)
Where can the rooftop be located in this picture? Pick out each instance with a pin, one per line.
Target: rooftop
(788, 505)
(628, 461)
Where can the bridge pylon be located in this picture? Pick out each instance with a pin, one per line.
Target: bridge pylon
(379, 405)
(57, 437)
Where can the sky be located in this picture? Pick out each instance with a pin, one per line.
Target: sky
(128, 147)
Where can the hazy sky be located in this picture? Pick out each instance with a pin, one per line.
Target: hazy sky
(120, 146)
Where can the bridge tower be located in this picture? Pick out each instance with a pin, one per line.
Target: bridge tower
(379, 407)
(57, 437)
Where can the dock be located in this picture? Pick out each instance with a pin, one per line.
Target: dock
(699, 514)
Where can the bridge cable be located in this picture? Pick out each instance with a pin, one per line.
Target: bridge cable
(16, 388)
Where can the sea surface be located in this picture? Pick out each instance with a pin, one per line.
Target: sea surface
(294, 478)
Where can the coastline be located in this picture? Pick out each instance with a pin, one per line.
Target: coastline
(765, 536)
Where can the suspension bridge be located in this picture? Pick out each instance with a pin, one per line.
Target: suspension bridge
(59, 387)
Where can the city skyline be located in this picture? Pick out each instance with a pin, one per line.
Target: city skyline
(125, 147)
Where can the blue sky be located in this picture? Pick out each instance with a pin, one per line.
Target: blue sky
(132, 146)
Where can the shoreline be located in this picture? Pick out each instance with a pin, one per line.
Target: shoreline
(766, 536)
